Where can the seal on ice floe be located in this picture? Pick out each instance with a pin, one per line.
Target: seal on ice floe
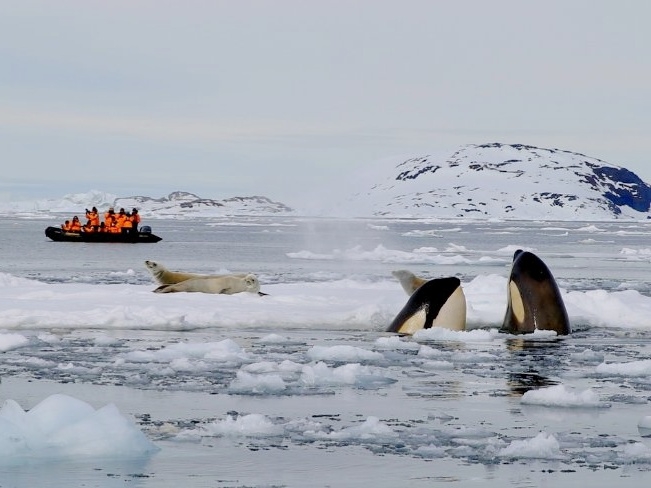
(409, 281)
(222, 284)
(227, 283)
(165, 276)
(436, 303)
(534, 301)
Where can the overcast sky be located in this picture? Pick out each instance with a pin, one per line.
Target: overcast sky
(285, 97)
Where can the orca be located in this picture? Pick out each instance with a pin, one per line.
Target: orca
(436, 303)
(534, 301)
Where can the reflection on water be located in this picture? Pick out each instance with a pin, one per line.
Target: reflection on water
(436, 389)
(535, 360)
(520, 383)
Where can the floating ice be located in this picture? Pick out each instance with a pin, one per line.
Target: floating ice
(632, 368)
(561, 396)
(12, 341)
(396, 343)
(343, 353)
(334, 304)
(226, 351)
(371, 430)
(252, 384)
(543, 446)
(636, 452)
(644, 426)
(251, 425)
(443, 334)
(287, 377)
(63, 427)
(320, 374)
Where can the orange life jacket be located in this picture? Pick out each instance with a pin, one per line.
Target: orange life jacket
(120, 218)
(108, 216)
(75, 226)
(127, 224)
(92, 217)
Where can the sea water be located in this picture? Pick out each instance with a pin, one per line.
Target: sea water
(306, 389)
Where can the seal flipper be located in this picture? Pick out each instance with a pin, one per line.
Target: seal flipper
(408, 280)
(163, 289)
(534, 301)
(437, 303)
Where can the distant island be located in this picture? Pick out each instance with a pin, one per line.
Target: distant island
(178, 204)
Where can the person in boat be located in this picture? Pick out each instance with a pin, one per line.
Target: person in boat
(127, 225)
(135, 219)
(102, 227)
(88, 228)
(75, 225)
(109, 217)
(92, 217)
(66, 226)
(114, 228)
(121, 217)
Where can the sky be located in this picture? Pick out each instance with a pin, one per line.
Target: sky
(288, 98)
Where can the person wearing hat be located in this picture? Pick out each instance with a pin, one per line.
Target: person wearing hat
(135, 219)
(109, 218)
(120, 218)
(75, 225)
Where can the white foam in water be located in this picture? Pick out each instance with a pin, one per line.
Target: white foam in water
(62, 427)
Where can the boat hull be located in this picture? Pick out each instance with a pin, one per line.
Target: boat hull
(59, 235)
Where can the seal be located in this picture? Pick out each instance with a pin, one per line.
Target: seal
(437, 303)
(408, 280)
(223, 284)
(534, 301)
(165, 276)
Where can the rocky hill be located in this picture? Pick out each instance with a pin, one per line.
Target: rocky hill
(504, 181)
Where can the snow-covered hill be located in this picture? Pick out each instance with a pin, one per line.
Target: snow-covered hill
(503, 181)
(191, 205)
(175, 205)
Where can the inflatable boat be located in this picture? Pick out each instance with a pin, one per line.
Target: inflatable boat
(142, 235)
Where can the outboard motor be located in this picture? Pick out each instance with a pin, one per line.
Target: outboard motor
(145, 229)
